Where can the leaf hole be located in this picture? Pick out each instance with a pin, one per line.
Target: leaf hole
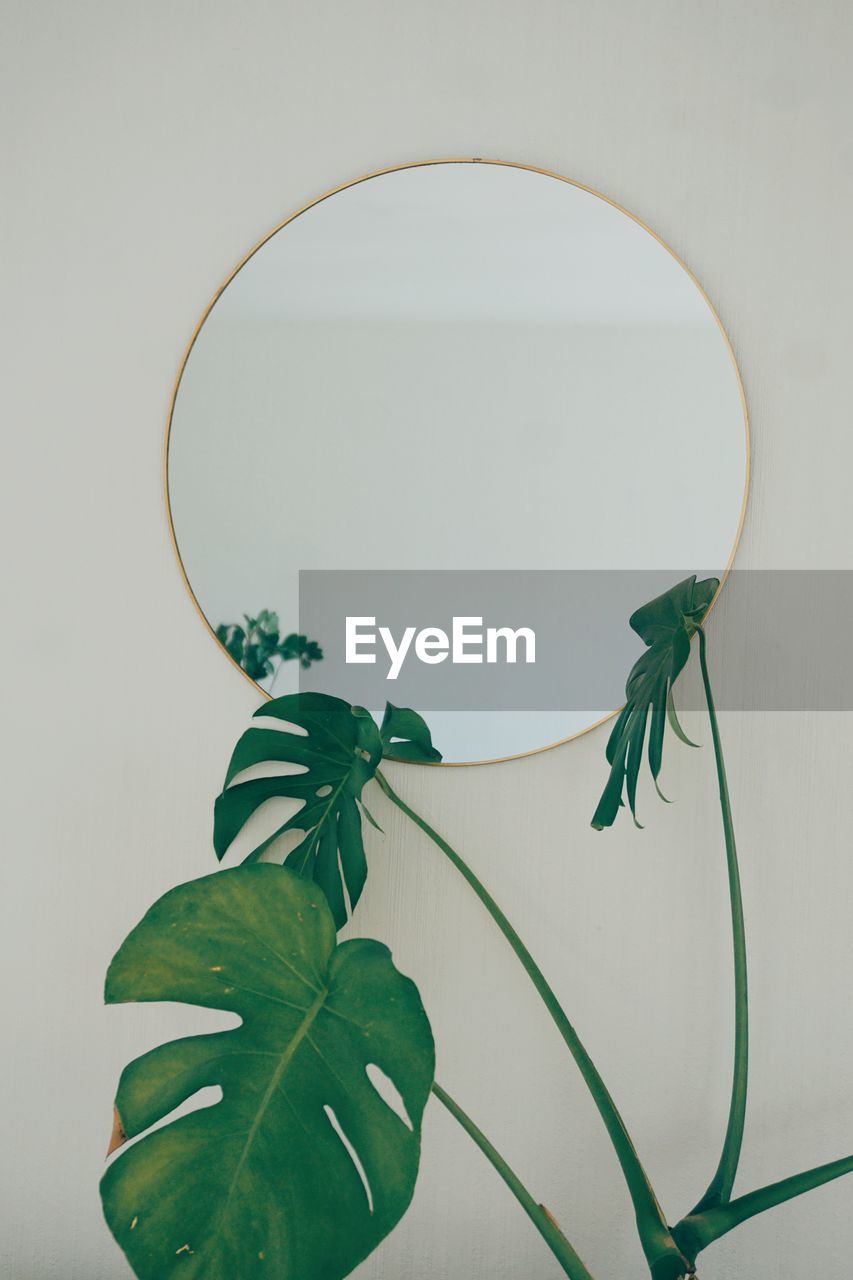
(351, 1152)
(349, 905)
(283, 726)
(268, 769)
(264, 822)
(322, 792)
(201, 1100)
(389, 1093)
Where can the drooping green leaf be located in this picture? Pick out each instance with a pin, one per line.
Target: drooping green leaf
(406, 736)
(336, 749)
(302, 1168)
(666, 625)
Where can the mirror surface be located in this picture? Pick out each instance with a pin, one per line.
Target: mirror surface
(461, 365)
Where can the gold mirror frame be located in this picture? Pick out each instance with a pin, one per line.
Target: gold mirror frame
(378, 173)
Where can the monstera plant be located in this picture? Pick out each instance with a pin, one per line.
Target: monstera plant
(667, 625)
(310, 1157)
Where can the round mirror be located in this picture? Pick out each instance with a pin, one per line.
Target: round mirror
(446, 367)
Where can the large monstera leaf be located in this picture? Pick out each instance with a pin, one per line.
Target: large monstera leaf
(302, 1168)
(667, 625)
(337, 749)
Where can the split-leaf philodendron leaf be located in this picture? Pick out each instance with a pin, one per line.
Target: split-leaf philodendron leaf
(666, 625)
(301, 1168)
(336, 749)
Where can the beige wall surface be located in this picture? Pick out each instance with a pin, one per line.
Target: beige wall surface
(144, 147)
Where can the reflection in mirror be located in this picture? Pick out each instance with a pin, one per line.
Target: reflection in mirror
(460, 365)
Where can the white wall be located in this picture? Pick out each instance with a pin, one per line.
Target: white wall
(146, 146)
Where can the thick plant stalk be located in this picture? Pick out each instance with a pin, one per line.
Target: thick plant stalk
(698, 1230)
(538, 1214)
(719, 1191)
(665, 1259)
